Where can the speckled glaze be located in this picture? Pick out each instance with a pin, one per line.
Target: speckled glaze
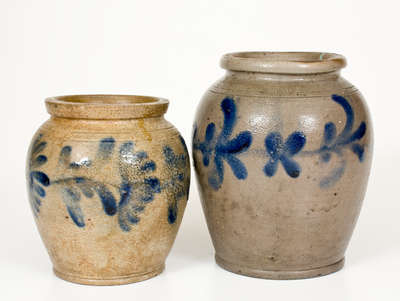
(282, 149)
(108, 181)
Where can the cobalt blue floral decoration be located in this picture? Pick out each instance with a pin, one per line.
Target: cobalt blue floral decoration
(333, 143)
(337, 144)
(282, 148)
(138, 187)
(222, 147)
(178, 184)
(136, 190)
(38, 180)
(108, 181)
(283, 152)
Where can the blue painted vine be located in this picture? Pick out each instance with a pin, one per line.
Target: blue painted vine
(217, 148)
(334, 143)
(137, 189)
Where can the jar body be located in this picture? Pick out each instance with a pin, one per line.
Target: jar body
(108, 196)
(282, 163)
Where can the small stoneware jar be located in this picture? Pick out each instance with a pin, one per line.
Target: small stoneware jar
(282, 149)
(108, 181)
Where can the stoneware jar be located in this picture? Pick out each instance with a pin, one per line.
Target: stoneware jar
(282, 149)
(108, 181)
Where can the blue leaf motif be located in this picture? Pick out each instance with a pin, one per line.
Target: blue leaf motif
(283, 152)
(41, 177)
(138, 188)
(358, 150)
(223, 147)
(86, 188)
(39, 190)
(335, 144)
(71, 198)
(38, 146)
(39, 161)
(295, 143)
(177, 184)
(106, 148)
(37, 179)
(238, 168)
(172, 213)
(329, 133)
(107, 199)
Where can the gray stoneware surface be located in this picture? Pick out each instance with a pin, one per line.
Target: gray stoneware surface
(282, 149)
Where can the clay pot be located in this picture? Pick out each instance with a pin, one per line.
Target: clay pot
(108, 181)
(282, 148)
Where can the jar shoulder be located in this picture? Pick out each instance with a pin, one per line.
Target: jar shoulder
(265, 85)
(274, 96)
(80, 129)
(79, 139)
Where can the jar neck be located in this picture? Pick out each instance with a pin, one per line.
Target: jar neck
(260, 76)
(106, 106)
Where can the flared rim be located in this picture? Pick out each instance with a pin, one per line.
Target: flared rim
(106, 106)
(283, 62)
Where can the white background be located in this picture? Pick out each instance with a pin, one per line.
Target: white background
(172, 49)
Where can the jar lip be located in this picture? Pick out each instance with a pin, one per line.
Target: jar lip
(106, 106)
(283, 62)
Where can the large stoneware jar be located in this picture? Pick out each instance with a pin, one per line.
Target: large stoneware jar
(108, 181)
(282, 148)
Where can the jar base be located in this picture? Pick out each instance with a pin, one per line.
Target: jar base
(117, 280)
(279, 275)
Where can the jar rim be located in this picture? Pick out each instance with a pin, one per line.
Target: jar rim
(106, 106)
(283, 62)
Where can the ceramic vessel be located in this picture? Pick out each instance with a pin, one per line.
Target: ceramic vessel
(108, 181)
(282, 149)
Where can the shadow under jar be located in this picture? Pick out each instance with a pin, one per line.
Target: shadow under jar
(282, 149)
(108, 180)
